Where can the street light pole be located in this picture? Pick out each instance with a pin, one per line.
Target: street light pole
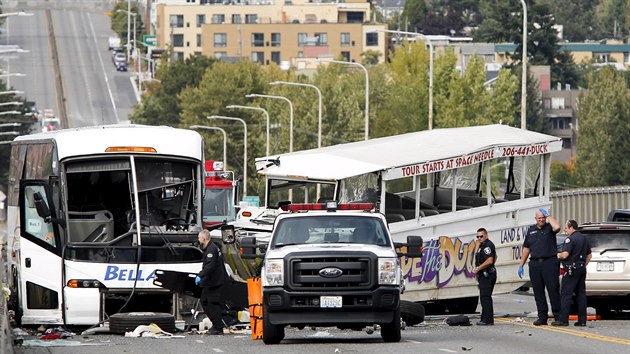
(128, 27)
(430, 44)
(367, 90)
(319, 105)
(255, 95)
(9, 112)
(224, 140)
(244, 147)
(12, 74)
(524, 69)
(15, 103)
(233, 106)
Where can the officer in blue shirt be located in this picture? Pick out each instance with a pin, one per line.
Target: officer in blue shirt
(544, 269)
(575, 255)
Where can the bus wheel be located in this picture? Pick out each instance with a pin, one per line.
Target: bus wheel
(120, 323)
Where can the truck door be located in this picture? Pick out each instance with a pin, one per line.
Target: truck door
(40, 258)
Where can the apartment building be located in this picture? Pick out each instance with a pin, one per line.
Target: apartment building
(267, 31)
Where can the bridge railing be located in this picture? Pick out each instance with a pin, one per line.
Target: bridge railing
(589, 204)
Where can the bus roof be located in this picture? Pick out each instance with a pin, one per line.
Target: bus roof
(95, 140)
(409, 154)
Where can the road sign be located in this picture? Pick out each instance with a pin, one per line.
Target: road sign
(149, 39)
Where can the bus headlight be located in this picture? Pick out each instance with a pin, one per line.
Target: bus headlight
(273, 273)
(84, 283)
(388, 271)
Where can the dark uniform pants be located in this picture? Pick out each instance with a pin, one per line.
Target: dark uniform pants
(575, 283)
(543, 275)
(486, 286)
(212, 306)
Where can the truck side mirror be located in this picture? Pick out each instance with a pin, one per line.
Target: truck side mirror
(249, 248)
(414, 247)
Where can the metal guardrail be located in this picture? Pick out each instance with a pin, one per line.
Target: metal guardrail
(589, 204)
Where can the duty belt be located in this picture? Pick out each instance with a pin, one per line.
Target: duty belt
(541, 259)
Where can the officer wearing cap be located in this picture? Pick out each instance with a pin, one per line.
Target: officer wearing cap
(575, 255)
(544, 269)
(485, 258)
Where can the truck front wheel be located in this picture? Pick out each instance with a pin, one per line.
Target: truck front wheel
(272, 334)
(390, 332)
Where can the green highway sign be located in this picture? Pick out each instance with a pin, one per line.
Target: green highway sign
(149, 40)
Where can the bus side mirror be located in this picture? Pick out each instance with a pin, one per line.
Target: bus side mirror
(42, 208)
(414, 247)
(228, 234)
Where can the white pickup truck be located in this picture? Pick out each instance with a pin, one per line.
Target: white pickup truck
(331, 265)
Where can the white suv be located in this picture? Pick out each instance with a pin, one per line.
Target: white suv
(608, 273)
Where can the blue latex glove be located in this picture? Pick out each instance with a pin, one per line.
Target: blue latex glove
(521, 271)
(198, 280)
(544, 212)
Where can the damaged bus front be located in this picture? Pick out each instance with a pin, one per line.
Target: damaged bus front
(93, 212)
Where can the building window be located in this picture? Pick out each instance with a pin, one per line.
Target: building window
(199, 40)
(354, 17)
(345, 39)
(275, 39)
(322, 38)
(275, 57)
(218, 18)
(220, 55)
(547, 103)
(300, 54)
(220, 40)
(371, 39)
(177, 21)
(198, 54)
(251, 18)
(178, 56)
(258, 57)
(236, 19)
(178, 40)
(201, 19)
(557, 103)
(258, 39)
(346, 56)
(302, 39)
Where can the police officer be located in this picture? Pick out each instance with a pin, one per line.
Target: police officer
(544, 269)
(211, 278)
(575, 255)
(485, 258)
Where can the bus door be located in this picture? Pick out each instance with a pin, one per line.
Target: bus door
(40, 256)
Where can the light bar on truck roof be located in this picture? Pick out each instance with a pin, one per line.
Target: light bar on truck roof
(130, 149)
(329, 206)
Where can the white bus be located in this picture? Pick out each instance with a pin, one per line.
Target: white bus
(440, 184)
(93, 212)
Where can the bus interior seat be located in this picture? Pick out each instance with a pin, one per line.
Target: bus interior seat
(331, 237)
(90, 226)
(392, 218)
(363, 235)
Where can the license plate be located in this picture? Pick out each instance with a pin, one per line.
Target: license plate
(605, 266)
(330, 301)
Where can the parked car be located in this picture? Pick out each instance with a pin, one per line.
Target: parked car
(608, 272)
(119, 57)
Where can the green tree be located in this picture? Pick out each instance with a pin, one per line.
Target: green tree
(119, 21)
(501, 104)
(576, 16)
(603, 115)
(413, 14)
(161, 105)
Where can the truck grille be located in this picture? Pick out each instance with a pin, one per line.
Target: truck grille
(355, 275)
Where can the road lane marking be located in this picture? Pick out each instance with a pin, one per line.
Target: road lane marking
(100, 59)
(573, 332)
(447, 350)
(217, 350)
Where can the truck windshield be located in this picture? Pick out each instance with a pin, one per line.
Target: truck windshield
(330, 229)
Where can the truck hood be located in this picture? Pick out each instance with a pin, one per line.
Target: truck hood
(330, 248)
